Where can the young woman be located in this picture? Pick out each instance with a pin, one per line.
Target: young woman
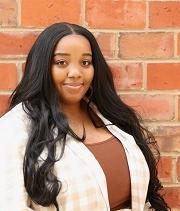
(68, 142)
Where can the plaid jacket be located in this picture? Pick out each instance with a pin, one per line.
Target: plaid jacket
(84, 185)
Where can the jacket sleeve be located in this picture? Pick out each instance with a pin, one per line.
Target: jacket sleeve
(13, 137)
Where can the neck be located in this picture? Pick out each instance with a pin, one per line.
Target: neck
(76, 115)
(73, 111)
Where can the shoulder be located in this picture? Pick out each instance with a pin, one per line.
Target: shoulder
(16, 115)
(14, 125)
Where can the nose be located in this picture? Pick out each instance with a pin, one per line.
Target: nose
(74, 71)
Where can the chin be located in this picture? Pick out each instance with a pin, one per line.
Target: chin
(72, 101)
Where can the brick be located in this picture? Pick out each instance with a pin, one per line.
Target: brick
(106, 42)
(168, 138)
(8, 76)
(8, 13)
(3, 103)
(45, 12)
(165, 169)
(119, 14)
(146, 45)
(166, 130)
(152, 107)
(163, 76)
(179, 108)
(178, 44)
(127, 76)
(16, 43)
(164, 14)
(172, 196)
(178, 169)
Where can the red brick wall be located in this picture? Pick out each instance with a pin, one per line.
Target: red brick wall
(140, 40)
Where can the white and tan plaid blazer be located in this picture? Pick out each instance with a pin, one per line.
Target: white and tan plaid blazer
(84, 185)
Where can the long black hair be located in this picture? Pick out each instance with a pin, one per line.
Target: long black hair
(41, 102)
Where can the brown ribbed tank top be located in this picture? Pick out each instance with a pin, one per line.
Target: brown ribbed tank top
(112, 158)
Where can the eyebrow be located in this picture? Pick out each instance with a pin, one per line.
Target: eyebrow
(67, 54)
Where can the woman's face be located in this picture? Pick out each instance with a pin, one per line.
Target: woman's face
(72, 68)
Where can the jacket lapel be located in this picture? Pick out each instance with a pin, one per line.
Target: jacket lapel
(91, 165)
(139, 171)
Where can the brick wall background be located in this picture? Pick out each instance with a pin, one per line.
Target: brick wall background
(140, 40)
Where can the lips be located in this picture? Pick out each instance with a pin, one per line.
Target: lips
(73, 84)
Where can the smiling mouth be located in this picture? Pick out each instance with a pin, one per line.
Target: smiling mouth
(73, 84)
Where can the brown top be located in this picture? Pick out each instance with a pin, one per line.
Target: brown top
(112, 158)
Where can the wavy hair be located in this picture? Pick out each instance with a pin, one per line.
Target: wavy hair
(41, 102)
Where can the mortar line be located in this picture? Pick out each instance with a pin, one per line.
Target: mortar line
(18, 13)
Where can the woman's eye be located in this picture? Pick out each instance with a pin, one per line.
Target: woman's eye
(86, 63)
(61, 62)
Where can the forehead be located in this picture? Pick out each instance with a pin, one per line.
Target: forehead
(73, 42)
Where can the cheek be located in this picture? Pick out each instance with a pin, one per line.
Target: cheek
(58, 75)
(90, 76)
